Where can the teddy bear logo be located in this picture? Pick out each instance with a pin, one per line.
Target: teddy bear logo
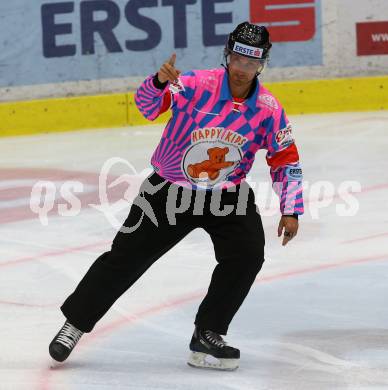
(210, 168)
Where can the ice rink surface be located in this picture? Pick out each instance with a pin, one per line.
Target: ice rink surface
(316, 318)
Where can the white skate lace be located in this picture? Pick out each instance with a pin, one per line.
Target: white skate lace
(215, 339)
(69, 336)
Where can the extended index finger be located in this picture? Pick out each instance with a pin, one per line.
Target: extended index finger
(172, 59)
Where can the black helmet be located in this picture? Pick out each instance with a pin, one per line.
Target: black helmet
(250, 41)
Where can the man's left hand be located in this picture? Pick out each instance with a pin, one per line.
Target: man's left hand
(290, 226)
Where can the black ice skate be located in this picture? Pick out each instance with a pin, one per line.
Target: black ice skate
(64, 342)
(209, 350)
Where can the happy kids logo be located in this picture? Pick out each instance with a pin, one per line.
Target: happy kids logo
(213, 155)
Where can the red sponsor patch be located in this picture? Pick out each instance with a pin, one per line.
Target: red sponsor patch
(372, 38)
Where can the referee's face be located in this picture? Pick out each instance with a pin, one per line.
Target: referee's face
(242, 70)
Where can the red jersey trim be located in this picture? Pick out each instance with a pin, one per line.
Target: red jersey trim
(287, 156)
(166, 103)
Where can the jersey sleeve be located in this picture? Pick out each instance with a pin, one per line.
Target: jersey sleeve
(283, 160)
(153, 101)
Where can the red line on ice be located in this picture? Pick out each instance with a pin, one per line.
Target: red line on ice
(61, 252)
(26, 304)
(364, 238)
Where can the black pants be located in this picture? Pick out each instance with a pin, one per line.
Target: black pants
(238, 240)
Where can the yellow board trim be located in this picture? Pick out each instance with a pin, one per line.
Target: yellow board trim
(64, 114)
(336, 95)
(117, 110)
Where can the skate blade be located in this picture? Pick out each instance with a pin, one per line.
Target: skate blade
(55, 364)
(203, 360)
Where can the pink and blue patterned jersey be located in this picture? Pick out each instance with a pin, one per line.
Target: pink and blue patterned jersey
(211, 139)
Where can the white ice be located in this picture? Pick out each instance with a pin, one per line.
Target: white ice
(316, 318)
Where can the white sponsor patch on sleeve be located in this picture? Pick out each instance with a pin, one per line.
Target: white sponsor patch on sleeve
(294, 173)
